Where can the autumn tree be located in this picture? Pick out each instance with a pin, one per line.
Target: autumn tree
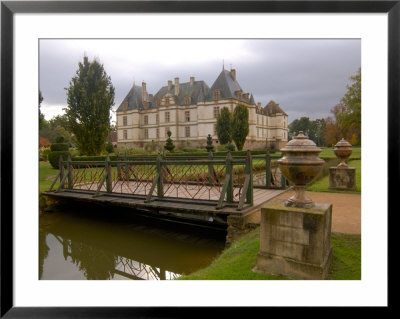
(240, 125)
(350, 118)
(90, 97)
(332, 131)
(224, 126)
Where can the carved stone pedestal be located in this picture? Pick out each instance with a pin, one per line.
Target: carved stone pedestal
(295, 242)
(342, 178)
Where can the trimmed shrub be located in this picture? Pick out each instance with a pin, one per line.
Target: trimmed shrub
(54, 156)
(59, 147)
(60, 139)
(109, 148)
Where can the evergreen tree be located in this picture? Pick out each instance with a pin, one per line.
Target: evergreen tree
(224, 126)
(240, 125)
(209, 146)
(90, 97)
(169, 145)
(41, 115)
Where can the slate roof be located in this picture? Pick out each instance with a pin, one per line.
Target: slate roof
(272, 109)
(199, 91)
(196, 91)
(226, 84)
(134, 99)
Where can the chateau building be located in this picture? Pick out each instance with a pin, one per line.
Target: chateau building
(190, 110)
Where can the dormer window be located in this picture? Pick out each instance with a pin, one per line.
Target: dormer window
(166, 99)
(187, 100)
(124, 106)
(239, 94)
(216, 94)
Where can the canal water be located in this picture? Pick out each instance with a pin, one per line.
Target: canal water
(77, 243)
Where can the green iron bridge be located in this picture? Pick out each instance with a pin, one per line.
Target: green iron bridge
(212, 190)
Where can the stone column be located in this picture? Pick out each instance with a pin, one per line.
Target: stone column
(295, 242)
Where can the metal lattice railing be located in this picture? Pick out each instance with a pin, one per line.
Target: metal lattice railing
(225, 180)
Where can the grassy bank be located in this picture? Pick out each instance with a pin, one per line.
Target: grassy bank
(46, 176)
(236, 262)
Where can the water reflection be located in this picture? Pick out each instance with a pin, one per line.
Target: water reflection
(73, 245)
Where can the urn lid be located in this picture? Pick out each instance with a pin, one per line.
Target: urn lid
(343, 143)
(301, 143)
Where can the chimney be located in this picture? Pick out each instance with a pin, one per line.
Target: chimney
(176, 86)
(144, 91)
(191, 80)
(233, 73)
(169, 85)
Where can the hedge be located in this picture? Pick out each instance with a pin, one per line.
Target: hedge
(59, 147)
(53, 157)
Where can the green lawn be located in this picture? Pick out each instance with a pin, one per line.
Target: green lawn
(322, 184)
(328, 152)
(236, 262)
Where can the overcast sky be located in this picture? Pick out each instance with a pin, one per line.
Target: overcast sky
(306, 77)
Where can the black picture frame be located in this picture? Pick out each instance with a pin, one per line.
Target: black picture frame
(9, 8)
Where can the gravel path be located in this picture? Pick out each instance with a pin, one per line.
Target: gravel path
(346, 210)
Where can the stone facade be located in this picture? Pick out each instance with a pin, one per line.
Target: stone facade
(189, 110)
(295, 242)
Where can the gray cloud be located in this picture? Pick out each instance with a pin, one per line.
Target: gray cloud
(307, 77)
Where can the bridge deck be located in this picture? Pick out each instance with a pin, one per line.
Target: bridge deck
(184, 203)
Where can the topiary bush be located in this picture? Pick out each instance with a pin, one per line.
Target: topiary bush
(59, 147)
(54, 156)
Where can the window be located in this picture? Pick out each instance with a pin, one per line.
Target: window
(167, 100)
(216, 111)
(258, 132)
(166, 131)
(239, 94)
(187, 116)
(146, 133)
(157, 119)
(125, 134)
(167, 117)
(187, 131)
(257, 119)
(216, 94)
(215, 129)
(124, 106)
(146, 119)
(125, 121)
(157, 132)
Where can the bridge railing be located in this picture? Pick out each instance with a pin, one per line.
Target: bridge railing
(265, 170)
(226, 181)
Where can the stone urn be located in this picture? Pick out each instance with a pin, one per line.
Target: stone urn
(342, 150)
(301, 165)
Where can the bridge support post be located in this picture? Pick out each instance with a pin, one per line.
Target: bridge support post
(249, 171)
(268, 169)
(108, 175)
(210, 169)
(160, 172)
(61, 168)
(229, 171)
(69, 172)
